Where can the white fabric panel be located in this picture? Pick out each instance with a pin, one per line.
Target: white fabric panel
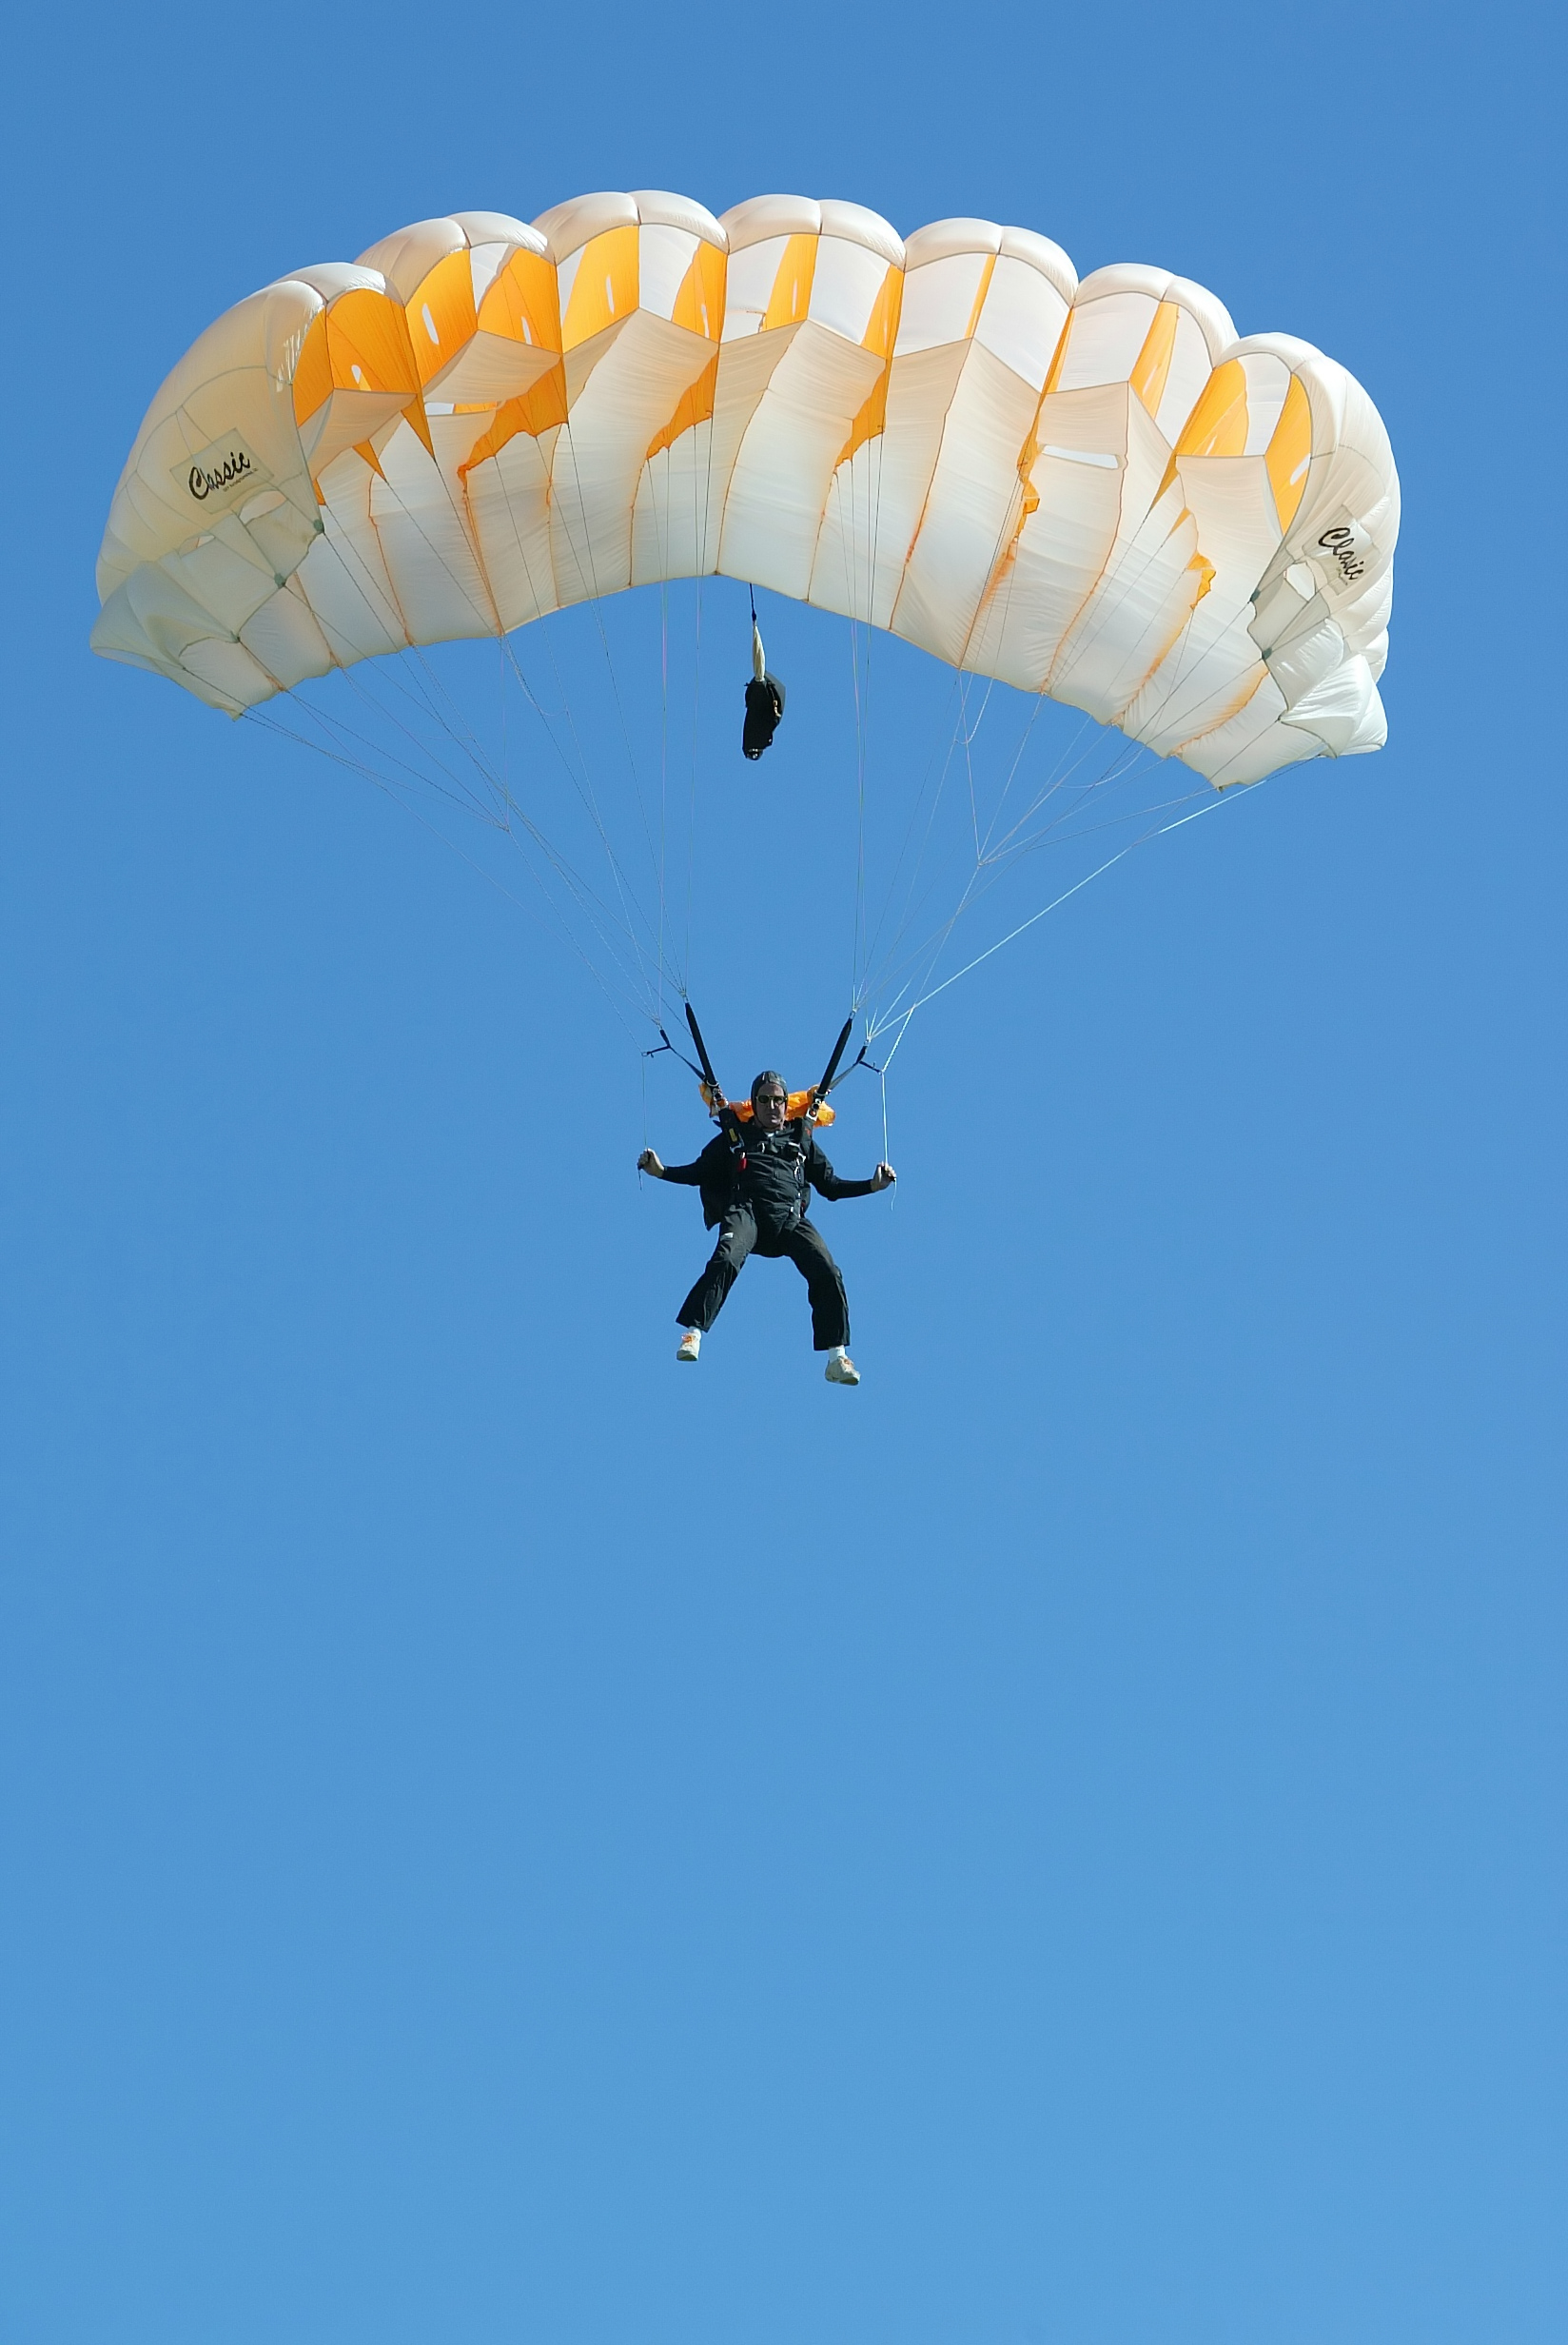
(1057, 541)
(1211, 317)
(875, 514)
(675, 522)
(1334, 708)
(945, 237)
(1063, 543)
(767, 216)
(748, 285)
(150, 618)
(285, 638)
(1267, 381)
(1252, 741)
(488, 371)
(347, 417)
(1048, 260)
(566, 228)
(405, 259)
(233, 677)
(566, 274)
(227, 383)
(1192, 363)
(1371, 732)
(939, 298)
(440, 590)
(1305, 660)
(224, 573)
(484, 265)
(345, 581)
(847, 560)
(1021, 322)
(657, 207)
(508, 503)
(1196, 687)
(1107, 334)
(848, 280)
(1144, 595)
(745, 370)
(664, 256)
(779, 485)
(498, 228)
(630, 394)
(969, 508)
(857, 225)
(327, 278)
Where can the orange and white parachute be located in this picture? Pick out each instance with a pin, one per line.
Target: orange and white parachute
(1093, 490)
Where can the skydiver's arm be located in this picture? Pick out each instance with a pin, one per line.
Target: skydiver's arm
(711, 1166)
(826, 1183)
(684, 1175)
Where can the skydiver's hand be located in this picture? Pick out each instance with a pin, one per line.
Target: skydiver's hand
(648, 1162)
(883, 1176)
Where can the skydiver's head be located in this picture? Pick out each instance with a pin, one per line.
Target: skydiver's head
(770, 1101)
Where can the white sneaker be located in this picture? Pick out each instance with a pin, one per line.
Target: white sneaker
(841, 1368)
(690, 1344)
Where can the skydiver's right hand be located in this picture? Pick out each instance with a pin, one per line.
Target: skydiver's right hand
(648, 1162)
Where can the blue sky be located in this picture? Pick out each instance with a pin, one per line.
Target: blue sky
(503, 1838)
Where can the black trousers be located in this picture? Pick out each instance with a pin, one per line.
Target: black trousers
(739, 1237)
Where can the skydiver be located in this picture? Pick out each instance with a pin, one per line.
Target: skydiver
(756, 1200)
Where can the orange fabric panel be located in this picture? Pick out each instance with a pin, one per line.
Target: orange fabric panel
(367, 336)
(871, 419)
(312, 370)
(695, 407)
(523, 302)
(1217, 425)
(359, 342)
(882, 331)
(1029, 453)
(985, 276)
(441, 314)
(1290, 453)
(1053, 372)
(535, 411)
(699, 303)
(605, 286)
(792, 295)
(1028, 456)
(1152, 371)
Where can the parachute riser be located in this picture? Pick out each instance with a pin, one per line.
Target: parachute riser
(800, 1106)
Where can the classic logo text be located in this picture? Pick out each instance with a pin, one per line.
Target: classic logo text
(233, 465)
(1339, 547)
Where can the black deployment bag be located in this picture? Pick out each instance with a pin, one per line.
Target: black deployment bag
(764, 707)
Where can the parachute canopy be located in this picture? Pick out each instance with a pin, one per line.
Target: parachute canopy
(1093, 490)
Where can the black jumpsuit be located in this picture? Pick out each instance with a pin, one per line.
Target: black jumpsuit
(758, 1205)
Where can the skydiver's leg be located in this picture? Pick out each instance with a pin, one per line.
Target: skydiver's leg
(808, 1249)
(736, 1236)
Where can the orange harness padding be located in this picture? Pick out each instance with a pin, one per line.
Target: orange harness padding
(795, 1106)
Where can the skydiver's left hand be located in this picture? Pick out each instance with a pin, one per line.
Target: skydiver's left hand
(883, 1176)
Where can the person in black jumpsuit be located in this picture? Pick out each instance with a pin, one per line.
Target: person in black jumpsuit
(756, 1200)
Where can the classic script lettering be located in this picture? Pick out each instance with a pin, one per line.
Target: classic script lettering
(233, 467)
(1340, 545)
